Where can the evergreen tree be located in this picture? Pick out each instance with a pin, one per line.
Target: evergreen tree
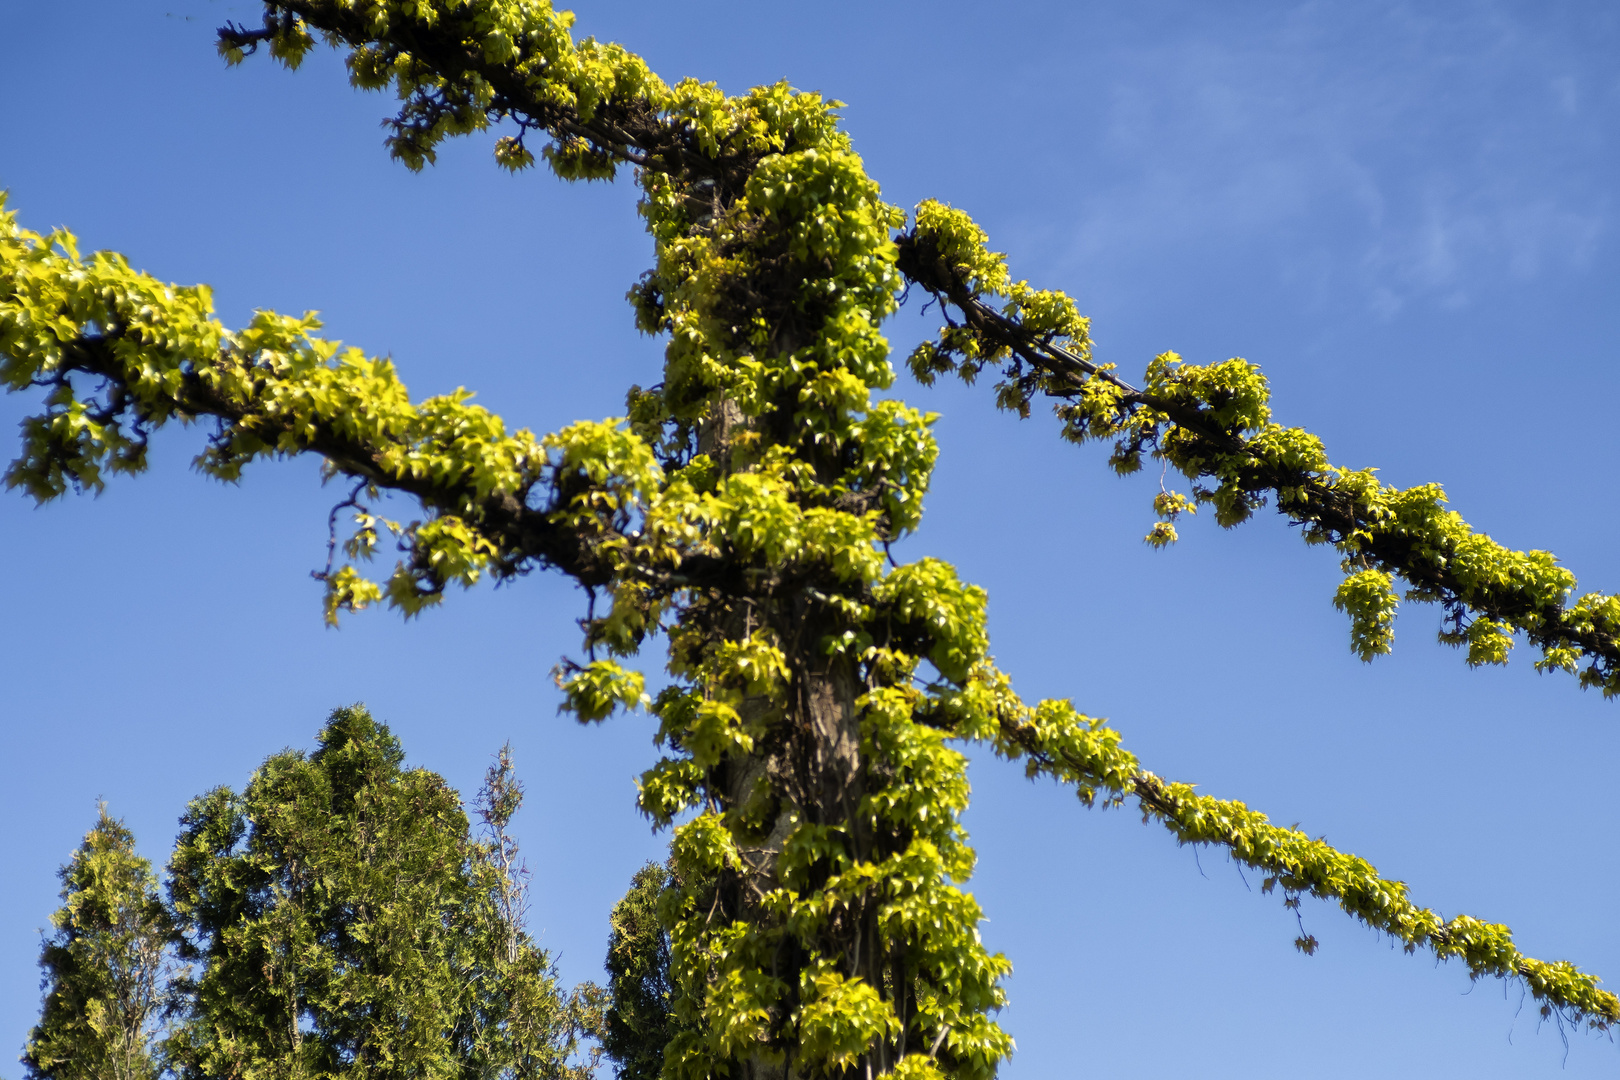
(744, 509)
(638, 1022)
(524, 1011)
(105, 966)
(347, 925)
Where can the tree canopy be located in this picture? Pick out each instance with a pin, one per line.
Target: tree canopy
(106, 968)
(346, 923)
(337, 918)
(747, 510)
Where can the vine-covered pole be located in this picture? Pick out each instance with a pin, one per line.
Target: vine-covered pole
(744, 510)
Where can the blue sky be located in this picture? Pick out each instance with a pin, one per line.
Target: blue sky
(1404, 213)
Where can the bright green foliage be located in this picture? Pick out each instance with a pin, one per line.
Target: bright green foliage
(595, 691)
(1055, 740)
(346, 925)
(945, 242)
(1369, 599)
(1213, 425)
(1169, 505)
(273, 388)
(744, 510)
(105, 966)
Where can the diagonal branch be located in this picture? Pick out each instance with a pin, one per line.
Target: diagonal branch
(1054, 740)
(1214, 425)
(124, 354)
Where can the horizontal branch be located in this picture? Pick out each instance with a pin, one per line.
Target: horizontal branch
(457, 69)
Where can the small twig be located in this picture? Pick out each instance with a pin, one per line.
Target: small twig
(331, 529)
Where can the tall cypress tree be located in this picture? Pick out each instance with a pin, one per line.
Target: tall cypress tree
(638, 1022)
(347, 925)
(104, 967)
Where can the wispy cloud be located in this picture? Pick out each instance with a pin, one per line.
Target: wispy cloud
(1399, 152)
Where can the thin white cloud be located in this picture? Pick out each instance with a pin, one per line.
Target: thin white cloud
(1403, 153)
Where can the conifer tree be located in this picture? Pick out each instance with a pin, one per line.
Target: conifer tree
(638, 1022)
(743, 511)
(345, 924)
(105, 967)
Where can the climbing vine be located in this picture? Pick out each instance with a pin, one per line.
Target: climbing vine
(742, 510)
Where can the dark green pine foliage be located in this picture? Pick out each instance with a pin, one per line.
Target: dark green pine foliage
(105, 966)
(638, 1023)
(348, 926)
